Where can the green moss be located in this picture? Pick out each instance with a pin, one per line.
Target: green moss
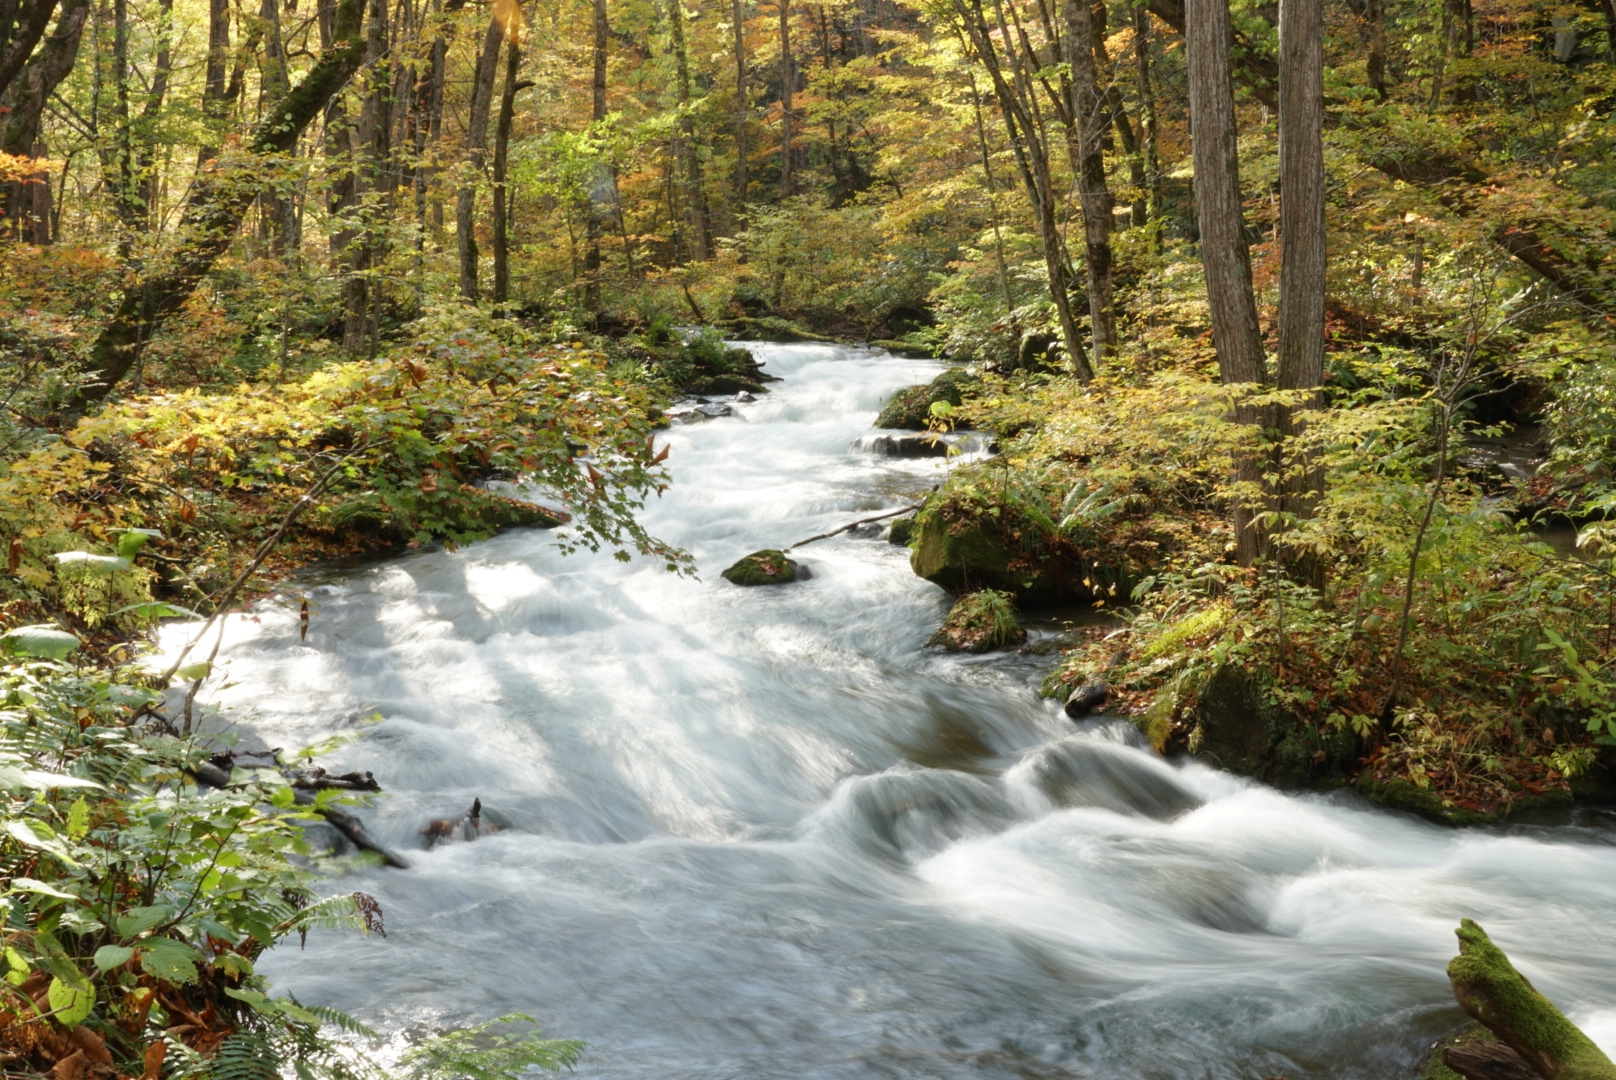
(1491, 990)
(1243, 729)
(910, 408)
(767, 567)
(900, 347)
(902, 531)
(980, 621)
(1432, 1067)
(1404, 795)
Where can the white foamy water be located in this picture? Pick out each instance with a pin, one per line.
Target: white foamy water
(765, 833)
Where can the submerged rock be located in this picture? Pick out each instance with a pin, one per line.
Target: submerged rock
(980, 621)
(909, 446)
(1086, 699)
(767, 567)
(910, 408)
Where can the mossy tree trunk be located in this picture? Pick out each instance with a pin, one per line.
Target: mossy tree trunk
(1492, 991)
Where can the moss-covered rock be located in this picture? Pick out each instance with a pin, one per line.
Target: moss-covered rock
(1428, 804)
(965, 553)
(910, 408)
(767, 567)
(980, 621)
(899, 347)
(901, 532)
(1468, 1044)
(726, 384)
(1240, 727)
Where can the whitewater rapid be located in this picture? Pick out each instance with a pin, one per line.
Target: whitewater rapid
(766, 833)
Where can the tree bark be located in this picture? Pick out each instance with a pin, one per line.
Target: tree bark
(1489, 988)
(502, 143)
(736, 13)
(21, 29)
(1227, 262)
(370, 191)
(1018, 106)
(595, 210)
(215, 105)
(1093, 194)
(482, 95)
(1303, 254)
(214, 209)
(1148, 142)
(788, 76)
(686, 152)
(19, 132)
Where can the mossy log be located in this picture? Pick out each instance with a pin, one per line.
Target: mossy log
(1493, 992)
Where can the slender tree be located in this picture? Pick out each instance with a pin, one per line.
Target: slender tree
(788, 77)
(738, 17)
(1093, 194)
(482, 96)
(1224, 255)
(502, 149)
(686, 153)
(596, 210)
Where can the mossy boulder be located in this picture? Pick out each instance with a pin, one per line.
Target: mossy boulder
(965, 552)
(1240, 727)
(901, 532)
(980, 621)
(1427, 803)
(900, 347)
(767, 567)
(910, 408)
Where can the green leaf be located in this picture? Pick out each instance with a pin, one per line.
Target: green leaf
(199, 670)
(28, 884)
(139, 920)
(158, 609)
(233, 964)
(18, 965)
(169, 960)
(78, 819)
(70, 1003)
(132, 540)
(133, 697)
(108, 957)
(91, 563)
(43, 640)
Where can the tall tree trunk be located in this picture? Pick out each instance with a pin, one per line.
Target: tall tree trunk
(1373, 14)
(371, 194)
(22, 25)
(215, 206)
(277, 207)
(1147, 118)
(28, 93)
(788, 76)
(502, 144)
(1227, 262)
(737, 13)
(482, 95)
(215, 106)
(595, 210)
(687, 153)
(1093, 194)
(1303, 255)
(1018, 106)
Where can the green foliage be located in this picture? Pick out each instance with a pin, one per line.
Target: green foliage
(497, 1050)
(979, 621)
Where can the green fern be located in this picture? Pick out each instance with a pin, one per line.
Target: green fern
(498, 1050)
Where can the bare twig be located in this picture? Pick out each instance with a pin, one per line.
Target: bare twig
(855, 524)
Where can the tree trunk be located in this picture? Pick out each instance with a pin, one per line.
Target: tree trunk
(594, 210)
(1093, 195)
(502, 143)
(29, 92)
(1017, 105)
(370, 191)
(1303, 254)
(788, 76)
(279, 210)
(686, 152)
(215, 106)
(1224, 256)
(21, 28)
(1147, 119)
(482, 95)
(993, 213)
(1489, 988)
(736, 13)
(215, 206)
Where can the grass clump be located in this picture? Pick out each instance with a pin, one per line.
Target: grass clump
(980, 621)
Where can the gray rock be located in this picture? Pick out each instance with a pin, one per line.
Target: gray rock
(909, 446)
(1086, 699)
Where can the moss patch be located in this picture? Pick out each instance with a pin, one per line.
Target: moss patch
(980, 621)
(910, 408)
(767, 567)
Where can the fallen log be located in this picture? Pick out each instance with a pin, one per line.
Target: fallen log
(1476, 1060)
(339, 819)
(1490, 989)
(855, 524)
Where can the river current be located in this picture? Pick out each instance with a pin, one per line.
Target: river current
(767, 833)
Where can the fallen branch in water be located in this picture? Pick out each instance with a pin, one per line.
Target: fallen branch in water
(856, 524)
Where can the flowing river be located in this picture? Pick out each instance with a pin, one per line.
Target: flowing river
(767, 833)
